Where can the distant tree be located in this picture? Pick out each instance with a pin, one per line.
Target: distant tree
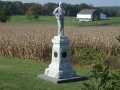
(16, 8)
(76, 9)
(1, 4)
(19, 8)
(36, 16)
(91, 6)
(4, 14)
(29, 15)
(68, 12)
(48, 8)
(83, 6)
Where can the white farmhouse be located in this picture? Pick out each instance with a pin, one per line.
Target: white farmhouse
(89, 15)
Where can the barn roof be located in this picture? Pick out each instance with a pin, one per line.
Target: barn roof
(87, 11)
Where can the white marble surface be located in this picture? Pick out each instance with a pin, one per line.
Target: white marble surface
(59, 13)
(60, 67)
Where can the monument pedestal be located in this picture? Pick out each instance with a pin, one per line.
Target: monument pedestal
(60, 70)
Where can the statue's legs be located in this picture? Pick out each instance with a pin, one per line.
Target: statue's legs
(60, 27)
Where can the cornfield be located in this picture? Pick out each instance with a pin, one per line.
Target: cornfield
(34, 41)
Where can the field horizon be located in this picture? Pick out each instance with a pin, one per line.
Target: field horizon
(69, 21)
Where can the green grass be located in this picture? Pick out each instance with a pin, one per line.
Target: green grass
(41, 20)
(18, 74)
(69, 21)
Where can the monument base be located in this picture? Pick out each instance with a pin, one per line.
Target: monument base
(60, 81)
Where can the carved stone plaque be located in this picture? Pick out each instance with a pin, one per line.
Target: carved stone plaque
(64, 54)
(55, 54)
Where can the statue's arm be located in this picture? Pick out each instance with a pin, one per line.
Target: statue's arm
(55, 12)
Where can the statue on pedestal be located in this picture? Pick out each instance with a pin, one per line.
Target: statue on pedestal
(59, 13)
(60, 69)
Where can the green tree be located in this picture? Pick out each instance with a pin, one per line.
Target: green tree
(1, 4)
(4, 14)
(29, 15)
(102, 78)
(36, 16)
(68, 12)
(19, 8)
(83, 6)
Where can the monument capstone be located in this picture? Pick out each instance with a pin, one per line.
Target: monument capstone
(60, 69)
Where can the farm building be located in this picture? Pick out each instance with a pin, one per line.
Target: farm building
(90, 15)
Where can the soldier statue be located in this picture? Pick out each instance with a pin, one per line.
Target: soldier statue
(59, 13)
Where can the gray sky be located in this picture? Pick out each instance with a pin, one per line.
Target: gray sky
(94, 2)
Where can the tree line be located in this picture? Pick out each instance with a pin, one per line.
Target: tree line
(19, 8)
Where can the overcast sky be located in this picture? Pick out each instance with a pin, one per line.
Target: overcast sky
(94, 2)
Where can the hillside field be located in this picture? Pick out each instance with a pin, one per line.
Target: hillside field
(69, 21)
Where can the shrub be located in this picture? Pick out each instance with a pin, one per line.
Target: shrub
(102, 78)
(36, 16)
(116, 80)
(4, 15)
(89, 55)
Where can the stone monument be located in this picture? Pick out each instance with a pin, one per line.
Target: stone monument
(60, 70)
